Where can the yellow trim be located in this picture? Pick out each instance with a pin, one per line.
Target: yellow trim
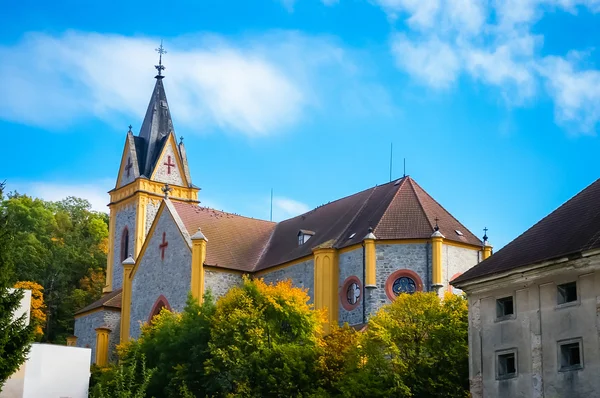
(461, 244)
(111, 251)
(153, 188)
(102, 346)
(487, 251)
(400, 241)
(370, 264)
(72, 341)
(126, 302)
(140, 223)
(225, 270)
(350, 248)
(326, 274)
(126, 150)
(436, 260)
(171, 141)
(281, 266)
(95, 310)
(198, 257)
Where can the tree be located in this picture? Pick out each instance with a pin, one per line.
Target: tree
(15, 336)
(37, 314)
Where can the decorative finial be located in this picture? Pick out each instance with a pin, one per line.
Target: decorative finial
(180, 140)
(436, 228)
(485, 237)
(370, 229)
(160, 67)
(166, 189)
(130, 126)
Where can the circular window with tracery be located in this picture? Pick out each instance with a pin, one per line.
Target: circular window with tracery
(403, 281)
(351, 293)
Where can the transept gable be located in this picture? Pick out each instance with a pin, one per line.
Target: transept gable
(129, 169)
(169, 167)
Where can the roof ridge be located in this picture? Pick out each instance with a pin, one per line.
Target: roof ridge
(400, 185)
(421, 203)
(362, 207)
(265, 247)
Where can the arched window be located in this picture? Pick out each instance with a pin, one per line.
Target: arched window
(403, 281)
(160, 303)
(351, 293)
(125, 244)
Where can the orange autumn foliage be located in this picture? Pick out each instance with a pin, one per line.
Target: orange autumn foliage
(38, 308)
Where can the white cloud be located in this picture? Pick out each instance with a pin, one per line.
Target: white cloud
(95, 193)
(254, 85)
(492, 42)
(284, 208)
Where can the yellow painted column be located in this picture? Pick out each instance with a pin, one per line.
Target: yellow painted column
(370, 260)
(126, 299)
(198, 256)
(140, 223)
(487, 250)
(326, 275)
(436, 259)
(72, 341)
(102, 346)
(111, 250)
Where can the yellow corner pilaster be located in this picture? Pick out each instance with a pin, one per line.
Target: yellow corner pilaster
(437, 240)
(126, 299)
(72, 341)
(111, 250)
(326, 285)
(198, 257)
(487, 251)
(140, 223)
(102, 346)
(370, 263)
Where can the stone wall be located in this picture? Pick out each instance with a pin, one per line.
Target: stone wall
(151, 209)
(125, 217)
(155, 276)
(456, 260)
(302, 275)
(219, 282)
(162, 173)
(393, 257)
(351, 264)
(85, 331)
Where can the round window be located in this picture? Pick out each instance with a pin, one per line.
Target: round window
(404, 284)
(402, 281)
(351, 293)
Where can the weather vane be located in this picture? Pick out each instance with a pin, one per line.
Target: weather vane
(160, 67)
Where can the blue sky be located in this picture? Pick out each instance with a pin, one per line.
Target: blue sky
(495, 105)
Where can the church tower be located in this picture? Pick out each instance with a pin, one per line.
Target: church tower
(153, 165)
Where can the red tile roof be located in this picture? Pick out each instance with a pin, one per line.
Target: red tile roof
(572, 228)
(111, 300)
(397, 210)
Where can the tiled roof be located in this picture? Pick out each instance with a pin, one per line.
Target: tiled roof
(234, 241)
(397, 210)
(111, 300)
(572, 228)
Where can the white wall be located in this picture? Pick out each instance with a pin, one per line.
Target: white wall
(25, 307)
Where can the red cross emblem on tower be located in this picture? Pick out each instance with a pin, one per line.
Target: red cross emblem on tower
(163, 246)
(128, 166)
(169, 164)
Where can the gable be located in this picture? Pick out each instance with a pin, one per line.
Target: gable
(169, 167)
(129, 168)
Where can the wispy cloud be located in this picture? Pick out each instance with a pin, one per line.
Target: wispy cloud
(493, 43)
(284, 208)
(254, 85)
(95, 193)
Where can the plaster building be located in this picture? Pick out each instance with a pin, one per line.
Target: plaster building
(534, 308)
(352, 255)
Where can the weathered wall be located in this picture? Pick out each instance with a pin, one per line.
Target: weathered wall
(219, 282)
(151, 209)
(125, 217)
(162, 173)
(155, 276)
(456, 260)
(302, 275)
(536, 329)
(351, 264)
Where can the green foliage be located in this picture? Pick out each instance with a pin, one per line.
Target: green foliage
(15, 336)
(130, 379)
(60, 245)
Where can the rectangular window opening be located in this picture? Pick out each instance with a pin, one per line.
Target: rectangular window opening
(507, 365)
(567, 293)
(570, 356)
(505, 307)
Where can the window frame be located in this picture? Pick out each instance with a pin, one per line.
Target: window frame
(563, 343)
(124, 244)
(502, 353)
(504, 317)
(559, 295)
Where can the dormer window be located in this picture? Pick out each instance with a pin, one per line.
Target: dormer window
(304, 235)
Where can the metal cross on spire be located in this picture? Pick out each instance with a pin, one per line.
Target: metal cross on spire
(160, 67)
(436, 228)
(485, 237)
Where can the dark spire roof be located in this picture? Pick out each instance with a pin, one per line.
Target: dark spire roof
(156, 127)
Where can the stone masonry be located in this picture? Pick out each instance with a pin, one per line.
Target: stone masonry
(85, 330)
(156, 276)
(125, 217)
(302, 275)
(162, 173)
(351, 264)
(219, 282)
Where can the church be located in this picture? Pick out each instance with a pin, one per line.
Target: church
(352, 255)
